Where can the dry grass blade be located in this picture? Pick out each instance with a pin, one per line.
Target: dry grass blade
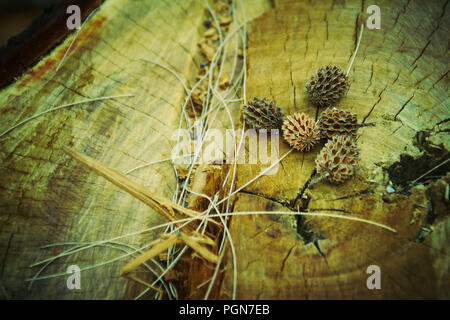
(198, 237)
(145, 283)
(61, 107)
(163, 206)
(159, 247)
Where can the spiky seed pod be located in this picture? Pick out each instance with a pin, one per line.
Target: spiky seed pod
(262, 114)
(327, 86)
(337, 160)
(300, 131)
(339, 122)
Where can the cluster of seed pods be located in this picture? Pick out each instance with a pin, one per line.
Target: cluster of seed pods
(338, 159)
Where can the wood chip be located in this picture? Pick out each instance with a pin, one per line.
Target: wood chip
(182, 171)
(171, 275)
(197, 97)
(215, 37)
(198, 248)
(210, 32)
(206, 50)
(224, 21)
(224, 82)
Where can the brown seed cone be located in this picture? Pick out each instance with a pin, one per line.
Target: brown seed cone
(300, 131)
(262, 114)
(327, 86)
(338, 159)
(339, 122)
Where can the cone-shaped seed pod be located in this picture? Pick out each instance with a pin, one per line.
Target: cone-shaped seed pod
(262, 114)
(300, 131)
(337, 160)
(339, 122)
(327, 86)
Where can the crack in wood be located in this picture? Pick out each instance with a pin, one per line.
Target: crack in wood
(373, 107)
(292, 82)
(440, 78)
(403, 11)
(398, 128)
(354, 195)
(441, 122)
(307, 35)
(302, 191)
(439, 21)
(421, 53)
(370, 79)
(283, 263)
(396, 78)
(423, 79)
(403, 107)
(284, 204)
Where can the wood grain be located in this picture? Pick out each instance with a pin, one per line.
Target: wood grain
(46, 197)
(398, 80)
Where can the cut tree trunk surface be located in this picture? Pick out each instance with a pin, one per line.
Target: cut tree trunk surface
(49, 198)
(39, 38)
(399, 80)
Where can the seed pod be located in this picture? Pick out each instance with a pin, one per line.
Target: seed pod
(337, 160)
(327, 86)
(339, 122)
(300, 131)
(262, 114)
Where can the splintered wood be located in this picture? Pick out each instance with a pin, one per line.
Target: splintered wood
(49, 198)
(396, 81)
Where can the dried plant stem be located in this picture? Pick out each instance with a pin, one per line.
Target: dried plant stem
(74, 38)
(157, 247)
(179, 78)
(356, 50)
(369, 124)
(157, 161)
(429, 171)
(318, 179)
(255, 178)
(111, 244)
(239, 213)
(61, 107)
(163, 206)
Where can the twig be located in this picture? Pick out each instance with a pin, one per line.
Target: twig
(60, 107)
(356, 50)
(73, 40)
(429, 171)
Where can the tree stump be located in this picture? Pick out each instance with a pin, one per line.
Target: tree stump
(399, 80)
(49, 198)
